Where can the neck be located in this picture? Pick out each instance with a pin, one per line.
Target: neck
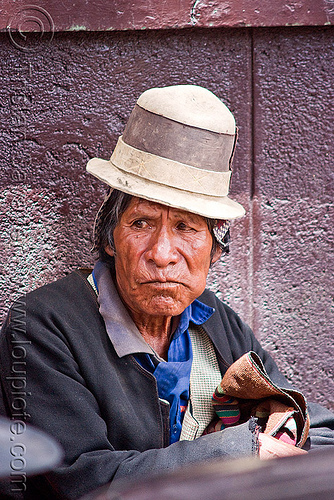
(155, 330)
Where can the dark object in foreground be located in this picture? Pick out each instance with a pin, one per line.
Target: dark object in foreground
(26, 450)
(307, 477)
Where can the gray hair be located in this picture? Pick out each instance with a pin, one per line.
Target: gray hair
(114, 205)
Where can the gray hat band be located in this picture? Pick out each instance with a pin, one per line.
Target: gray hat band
(179, 142)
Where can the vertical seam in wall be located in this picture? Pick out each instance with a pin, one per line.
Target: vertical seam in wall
(252, 185)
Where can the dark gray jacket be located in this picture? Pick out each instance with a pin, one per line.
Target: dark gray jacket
(105, 410)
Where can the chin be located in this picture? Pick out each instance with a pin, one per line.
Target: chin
(165, 306)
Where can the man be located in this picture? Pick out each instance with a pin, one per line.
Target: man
(121, 362)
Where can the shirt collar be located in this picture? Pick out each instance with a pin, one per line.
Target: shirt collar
(197, 313)
(120, 327)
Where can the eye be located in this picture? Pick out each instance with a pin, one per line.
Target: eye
(182, 226)
(140, 224)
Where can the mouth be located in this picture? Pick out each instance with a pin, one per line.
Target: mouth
(162, 283)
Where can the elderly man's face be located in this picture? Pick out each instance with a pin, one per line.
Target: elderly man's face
(162, 258)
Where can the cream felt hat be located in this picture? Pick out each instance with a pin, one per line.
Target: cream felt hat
(176, 149)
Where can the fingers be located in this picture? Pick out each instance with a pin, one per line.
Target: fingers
(273, 448)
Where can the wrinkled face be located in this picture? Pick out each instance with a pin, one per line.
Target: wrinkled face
(162, 258)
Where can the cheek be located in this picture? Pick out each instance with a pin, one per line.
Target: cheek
(200, 256)
(198, 267)
(130, 265)
(199, 280)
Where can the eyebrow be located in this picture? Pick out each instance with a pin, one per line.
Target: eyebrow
(193, 218)
(142, 211)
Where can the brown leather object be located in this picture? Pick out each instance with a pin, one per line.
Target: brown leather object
(247, 380)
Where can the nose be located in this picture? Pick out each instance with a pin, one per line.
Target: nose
(162, 251)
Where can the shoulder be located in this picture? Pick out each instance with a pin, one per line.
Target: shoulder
(67, 298)
(231, 336)
(222, 310)
(71, 287)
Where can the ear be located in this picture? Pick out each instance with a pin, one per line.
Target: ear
(109, 250)
(216, 256)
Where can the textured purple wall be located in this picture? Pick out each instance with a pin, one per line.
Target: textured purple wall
(69, 101)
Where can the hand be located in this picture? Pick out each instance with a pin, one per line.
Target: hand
(273, 448)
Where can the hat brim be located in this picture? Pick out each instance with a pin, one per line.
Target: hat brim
(213, 207)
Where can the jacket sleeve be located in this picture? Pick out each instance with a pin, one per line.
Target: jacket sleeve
(56, 398)
(241, 339)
